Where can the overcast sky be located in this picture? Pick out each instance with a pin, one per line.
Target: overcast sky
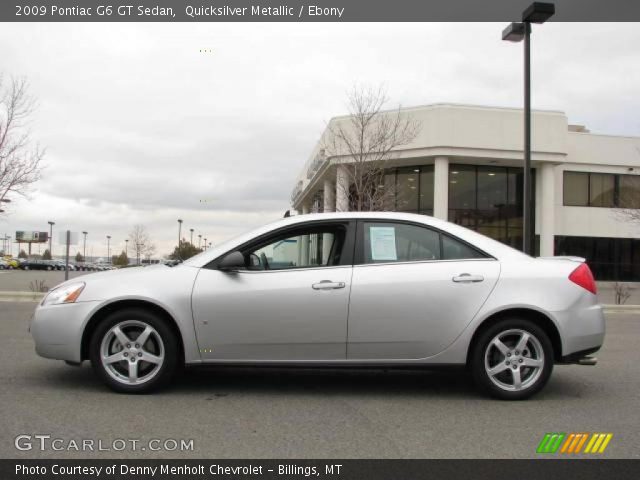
(142, 127)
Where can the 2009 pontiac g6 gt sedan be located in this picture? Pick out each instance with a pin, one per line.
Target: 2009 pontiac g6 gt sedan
(333, 290)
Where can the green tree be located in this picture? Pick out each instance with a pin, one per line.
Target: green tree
(46, 255)
(22, 254)
(79, 257)
(120, 260)
(186, 250)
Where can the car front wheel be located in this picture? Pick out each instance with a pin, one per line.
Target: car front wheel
(512, 359)
(134, 351)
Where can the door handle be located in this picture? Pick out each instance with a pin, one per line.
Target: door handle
(468, 278)
(327, 285)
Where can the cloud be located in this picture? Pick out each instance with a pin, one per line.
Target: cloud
(141, 126)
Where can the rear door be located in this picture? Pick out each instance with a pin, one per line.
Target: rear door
(414, 290)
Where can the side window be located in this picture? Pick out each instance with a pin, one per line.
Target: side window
(317, 247)
(397, 242)
(453, 249)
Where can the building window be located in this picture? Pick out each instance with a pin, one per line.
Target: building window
(407, 189)
(410, 189)
(601, 190)
(426, 190)
(610, 259)
(487, 199)
(629, 191)
(587, 189)
(576, 189)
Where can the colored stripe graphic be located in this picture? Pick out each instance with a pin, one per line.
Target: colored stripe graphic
(550, 443)
(581, 443)
(598, 442)
(572, 443)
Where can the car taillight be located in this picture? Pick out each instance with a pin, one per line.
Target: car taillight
(583, 277)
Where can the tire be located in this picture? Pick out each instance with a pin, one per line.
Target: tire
(497, 359)
(156, 360)
(26, 267)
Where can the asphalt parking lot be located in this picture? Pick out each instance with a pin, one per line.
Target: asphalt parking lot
(278, 413)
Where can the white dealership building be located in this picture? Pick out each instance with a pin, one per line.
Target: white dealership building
(465, 166)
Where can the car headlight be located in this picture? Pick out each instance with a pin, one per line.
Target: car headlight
(65, 294)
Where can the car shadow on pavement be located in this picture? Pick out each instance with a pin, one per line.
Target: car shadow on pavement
(218, 382)
(221, 381)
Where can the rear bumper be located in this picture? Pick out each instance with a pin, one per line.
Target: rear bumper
(577, 357)
(582, 330)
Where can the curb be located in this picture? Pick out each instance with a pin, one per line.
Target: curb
(21, 296)
(621, 308)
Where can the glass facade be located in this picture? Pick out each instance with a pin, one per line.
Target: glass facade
(608, 258)
(410, 189)
(489, 200)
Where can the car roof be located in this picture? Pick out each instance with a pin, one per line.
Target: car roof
(489, 245)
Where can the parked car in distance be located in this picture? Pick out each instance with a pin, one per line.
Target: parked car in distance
(11, 263)
(336, 289)
(4, 265)
(28, 264)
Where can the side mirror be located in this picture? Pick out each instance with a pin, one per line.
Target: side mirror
(232, 261)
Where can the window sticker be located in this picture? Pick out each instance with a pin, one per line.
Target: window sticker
(383, 243)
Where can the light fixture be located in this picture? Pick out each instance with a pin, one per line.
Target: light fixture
(514, 32)
(455, 172)
(538, 12)
(416, 170)
(491, 174)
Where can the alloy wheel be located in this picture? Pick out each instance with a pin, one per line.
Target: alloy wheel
(514, 360)
(132, 352)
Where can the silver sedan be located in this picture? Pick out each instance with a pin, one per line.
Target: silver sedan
(333, 290)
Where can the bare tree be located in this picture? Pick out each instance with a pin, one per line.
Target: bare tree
(20, 159)
(364, 142)
(142, 244)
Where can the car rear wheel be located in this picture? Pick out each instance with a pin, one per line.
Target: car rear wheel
(512, 359)
(134, 351)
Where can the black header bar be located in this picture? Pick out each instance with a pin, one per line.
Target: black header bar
(308, 10)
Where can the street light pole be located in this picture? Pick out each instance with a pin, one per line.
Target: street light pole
(84, 247)
(205, 243)
(537, 12)
(109, 248)
(179, 233)
(191, 241)
(126, 249)
(51, 224)
(526, 177)
(199, 242)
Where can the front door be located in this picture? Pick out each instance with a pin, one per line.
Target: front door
(289, 303)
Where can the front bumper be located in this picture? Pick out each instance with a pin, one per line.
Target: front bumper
(57, 329)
